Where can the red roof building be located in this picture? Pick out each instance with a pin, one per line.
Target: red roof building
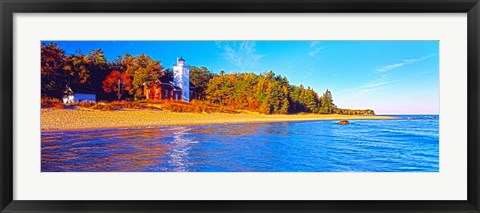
(161, 91)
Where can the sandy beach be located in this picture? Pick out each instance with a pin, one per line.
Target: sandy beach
(68, 119)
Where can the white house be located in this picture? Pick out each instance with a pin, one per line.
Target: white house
(181, 78)
(78, 95)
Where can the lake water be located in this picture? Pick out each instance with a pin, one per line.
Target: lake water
(407, 144)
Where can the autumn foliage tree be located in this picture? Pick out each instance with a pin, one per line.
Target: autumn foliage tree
(53, 75)
(220, 89)
(117, 83)
(266, 93)
(142, 69)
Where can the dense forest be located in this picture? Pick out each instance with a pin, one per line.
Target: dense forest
(266, 93)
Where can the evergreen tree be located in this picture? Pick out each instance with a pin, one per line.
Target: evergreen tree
(327, 103)
(200, 77)
(99, 69)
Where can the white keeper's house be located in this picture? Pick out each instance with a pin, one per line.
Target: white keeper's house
(78, 94)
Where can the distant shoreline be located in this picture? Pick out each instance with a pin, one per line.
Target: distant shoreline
(81, 119)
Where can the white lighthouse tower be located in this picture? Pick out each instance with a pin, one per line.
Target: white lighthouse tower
(181, 78)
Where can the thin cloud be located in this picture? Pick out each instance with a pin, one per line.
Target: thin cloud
(314, 43)
(369, 87)
(315, 48)
(381, 81)
(372, 86)
(404, 62)
(242, 54)
(315, 51)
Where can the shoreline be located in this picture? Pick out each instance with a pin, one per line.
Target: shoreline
(81, 119)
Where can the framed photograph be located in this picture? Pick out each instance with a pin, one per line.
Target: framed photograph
(264, 106)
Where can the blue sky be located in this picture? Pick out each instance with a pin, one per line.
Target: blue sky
(390, 77)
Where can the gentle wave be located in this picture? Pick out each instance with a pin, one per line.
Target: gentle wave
(407, 144)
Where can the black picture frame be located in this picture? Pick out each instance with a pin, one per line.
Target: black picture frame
(9, 7)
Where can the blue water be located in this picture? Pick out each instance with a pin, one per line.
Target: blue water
(407, 144)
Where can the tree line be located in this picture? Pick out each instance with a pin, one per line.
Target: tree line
(123, 78)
